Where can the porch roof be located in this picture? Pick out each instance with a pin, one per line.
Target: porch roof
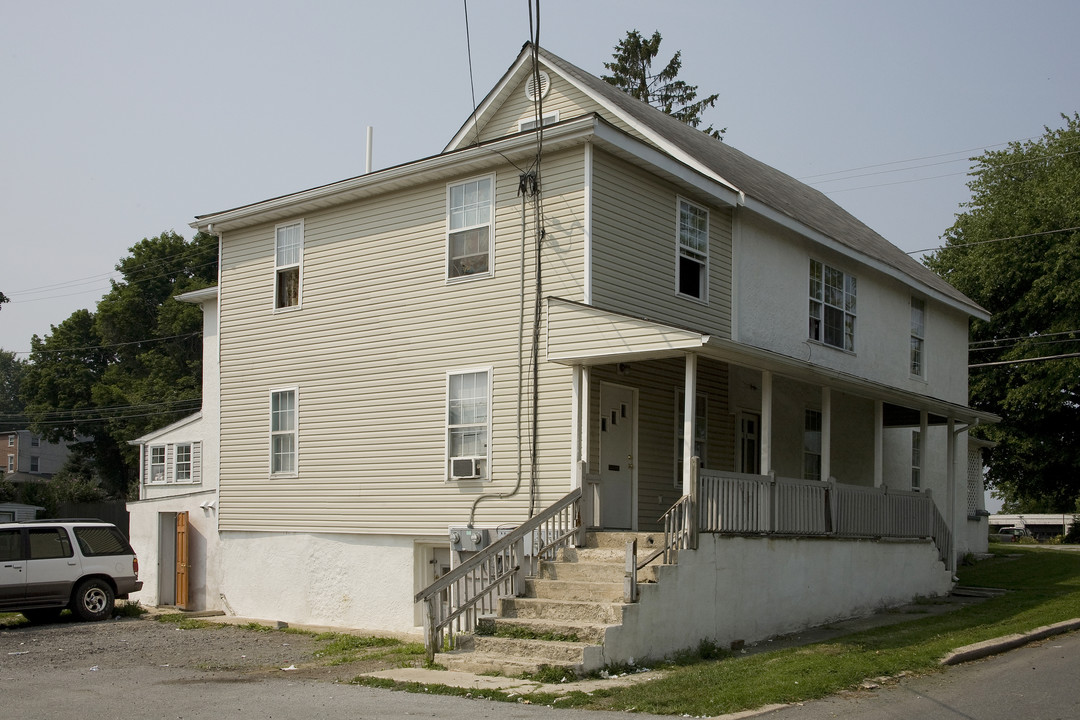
(579, 334)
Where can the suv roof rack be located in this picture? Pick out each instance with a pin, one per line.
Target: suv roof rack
(64, 520)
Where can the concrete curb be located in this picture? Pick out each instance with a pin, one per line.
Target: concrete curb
(1008, 642)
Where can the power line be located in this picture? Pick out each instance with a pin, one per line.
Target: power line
(984, 242)
(1023, 337)
(918, 159)
(106, 347)
(1025, 360)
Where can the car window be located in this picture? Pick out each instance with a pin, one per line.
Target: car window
(49, 543)
(11, 544)
(102, 541)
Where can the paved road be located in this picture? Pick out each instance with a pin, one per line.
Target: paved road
(1036, 682)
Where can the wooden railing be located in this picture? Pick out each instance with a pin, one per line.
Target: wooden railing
(453, 603)
(755, 504)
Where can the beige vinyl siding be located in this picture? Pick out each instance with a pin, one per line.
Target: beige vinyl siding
(563, 98)
(634, 250)
(658, 383)
(368, 353)
(581, 331)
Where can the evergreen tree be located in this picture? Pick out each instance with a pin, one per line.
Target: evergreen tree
(632, 72)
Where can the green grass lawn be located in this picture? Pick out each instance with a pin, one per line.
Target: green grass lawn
(1044, 588)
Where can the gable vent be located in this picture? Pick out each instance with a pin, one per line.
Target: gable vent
(530, 86)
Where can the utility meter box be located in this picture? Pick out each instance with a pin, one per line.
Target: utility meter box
(469, 539)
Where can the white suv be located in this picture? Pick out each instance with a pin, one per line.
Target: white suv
(48, 565)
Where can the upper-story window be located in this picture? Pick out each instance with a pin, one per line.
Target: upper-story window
(288, 259)
(693, 253)
(918, 336)
(832, 306)
(35, 441)
(11, 440)
(182, 463)
(283, 432)
(157, 464)
(469, 231)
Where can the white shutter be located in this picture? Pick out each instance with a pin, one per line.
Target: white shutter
(196, 462)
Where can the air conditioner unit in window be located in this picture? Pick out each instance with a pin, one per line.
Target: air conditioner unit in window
(464, 467)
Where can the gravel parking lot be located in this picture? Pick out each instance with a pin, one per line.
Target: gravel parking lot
(73, 647)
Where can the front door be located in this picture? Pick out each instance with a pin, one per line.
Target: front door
(749, 443)
(183, 567)
(617, 431)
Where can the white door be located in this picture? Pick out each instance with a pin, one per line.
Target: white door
(617, 430)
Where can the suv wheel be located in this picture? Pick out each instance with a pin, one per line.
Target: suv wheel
(93, 600)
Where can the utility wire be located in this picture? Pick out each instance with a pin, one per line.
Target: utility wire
(1025, 360)
(1023, 337)
(106, 347)
(985, 242)
(918, 159)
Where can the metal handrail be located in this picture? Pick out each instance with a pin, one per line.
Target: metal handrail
(498, 569)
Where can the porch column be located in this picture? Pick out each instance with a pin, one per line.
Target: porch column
(576, 478)
(879, 443)
(689, 400)
(826, 433)
(950, 498)
(766, 465)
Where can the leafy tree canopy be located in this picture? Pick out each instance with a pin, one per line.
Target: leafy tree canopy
(632, 72)
(1015, 249)
(11, 405)
(103, 379)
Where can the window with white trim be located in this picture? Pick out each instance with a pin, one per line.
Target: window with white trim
(916, 460)
(11, 440)
(812, 445)
(11, 463)
(283, 432)
(701, 431)
(468, 424)
(693, 251)
(35, 441)
(182, 462)
(832, 306)
(35, 463)
(288, 258)
(157, 464)
(469, 228)
(549, 119)
(918, 336)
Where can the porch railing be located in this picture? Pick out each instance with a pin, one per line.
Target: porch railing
(453, 603)
(754, 504)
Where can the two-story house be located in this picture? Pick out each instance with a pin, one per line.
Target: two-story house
(30, 458)
(607, 303)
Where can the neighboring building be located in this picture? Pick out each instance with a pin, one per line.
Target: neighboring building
(16, 512)
(173, 524)
(400, 354)
(28, 457)
(1041, 526)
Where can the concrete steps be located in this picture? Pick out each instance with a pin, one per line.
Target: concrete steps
(564, 616)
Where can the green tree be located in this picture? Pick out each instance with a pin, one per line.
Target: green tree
(103, 379)
(632, 72)
(3, 299)
(1015, 249)
(11, 406)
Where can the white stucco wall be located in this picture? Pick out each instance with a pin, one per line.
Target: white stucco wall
(774, 314)
(204, 574)
(751, 588)
(349, 580)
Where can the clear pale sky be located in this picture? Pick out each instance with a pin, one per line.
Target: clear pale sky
(125, 119)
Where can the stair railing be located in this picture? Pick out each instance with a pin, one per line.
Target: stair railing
(453, 603)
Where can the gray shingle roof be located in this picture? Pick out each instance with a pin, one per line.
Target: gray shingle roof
(762, 182)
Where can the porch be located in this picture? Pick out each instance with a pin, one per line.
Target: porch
(741, 557)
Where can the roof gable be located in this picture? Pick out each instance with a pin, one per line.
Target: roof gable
(766, 190)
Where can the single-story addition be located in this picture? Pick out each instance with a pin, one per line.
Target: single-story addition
(173, 524)
(588, 371)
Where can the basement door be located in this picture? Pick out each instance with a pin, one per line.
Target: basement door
(618, 428)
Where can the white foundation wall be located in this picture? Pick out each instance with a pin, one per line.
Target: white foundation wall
(345, 580)
(204, 548)
(750, 589)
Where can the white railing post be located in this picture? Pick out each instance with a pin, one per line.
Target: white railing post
(630, 577)
(692, 511)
